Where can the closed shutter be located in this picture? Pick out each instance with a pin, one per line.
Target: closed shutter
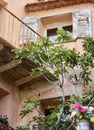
(27, 35)
(82, 23)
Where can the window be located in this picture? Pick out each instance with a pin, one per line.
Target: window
(48, 111)
(51, 33)
(50, 24)
(44, 107)
(68, 28)
(77, 22)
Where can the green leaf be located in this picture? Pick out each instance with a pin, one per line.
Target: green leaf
(32, 73)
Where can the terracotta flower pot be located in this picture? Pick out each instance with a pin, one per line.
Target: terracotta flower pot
(83, 125)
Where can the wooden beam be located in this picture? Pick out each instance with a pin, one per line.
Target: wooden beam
(27, 79)
(1, 46)
(9, 65)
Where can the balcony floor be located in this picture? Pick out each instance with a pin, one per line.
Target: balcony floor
(17, 73)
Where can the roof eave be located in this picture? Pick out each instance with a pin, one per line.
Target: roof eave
(46, 5)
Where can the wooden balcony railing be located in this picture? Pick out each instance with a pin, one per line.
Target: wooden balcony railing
(14, 30)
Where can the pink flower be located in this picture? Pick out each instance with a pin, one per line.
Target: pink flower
(0, 116)
(76, 106)
(4, 116)
(82, 109)
(71, 119)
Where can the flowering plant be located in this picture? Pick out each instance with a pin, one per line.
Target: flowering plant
(81, 112)
(4, 119)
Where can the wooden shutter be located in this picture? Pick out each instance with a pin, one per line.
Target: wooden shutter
(26, 35)
(82, 23)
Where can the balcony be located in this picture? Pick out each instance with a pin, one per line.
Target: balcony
(14, 30)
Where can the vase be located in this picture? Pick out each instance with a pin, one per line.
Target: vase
(83, 125)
